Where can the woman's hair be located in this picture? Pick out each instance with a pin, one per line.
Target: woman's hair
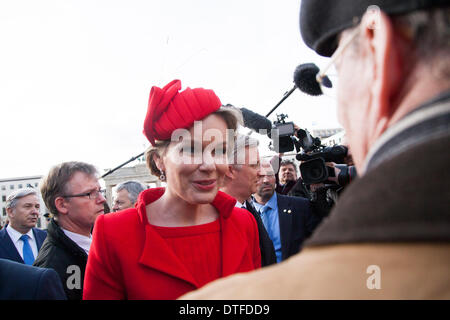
(230, 114)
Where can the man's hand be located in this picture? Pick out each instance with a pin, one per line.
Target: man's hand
(334, 179)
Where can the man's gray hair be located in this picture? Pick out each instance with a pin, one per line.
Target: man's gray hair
(133, 188)
(237, 158)
(13, 198)
(430, 30)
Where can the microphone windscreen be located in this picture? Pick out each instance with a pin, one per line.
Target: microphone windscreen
(255, 121)
(305, 79)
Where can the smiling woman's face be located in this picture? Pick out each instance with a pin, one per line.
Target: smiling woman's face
(195, 165)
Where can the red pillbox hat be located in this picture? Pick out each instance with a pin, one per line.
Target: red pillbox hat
(169, 109)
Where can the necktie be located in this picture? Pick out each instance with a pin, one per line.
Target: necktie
(264, 217)
(28, 256)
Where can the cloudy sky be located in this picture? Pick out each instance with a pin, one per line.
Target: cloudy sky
(75, 74)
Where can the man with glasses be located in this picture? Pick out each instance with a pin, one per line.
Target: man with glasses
(72, 193)
(388, 237)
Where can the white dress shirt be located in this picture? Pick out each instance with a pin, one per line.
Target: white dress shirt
(240, 205)
(82, 241)
(15, 237)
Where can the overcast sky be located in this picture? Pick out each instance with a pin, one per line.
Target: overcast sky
(75, 75)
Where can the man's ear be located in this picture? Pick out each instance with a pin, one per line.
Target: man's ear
(61, 205)
(230, 172)
(381, 48)
(10, 212)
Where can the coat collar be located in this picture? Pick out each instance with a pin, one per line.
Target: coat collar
(57, 237)
(156, 254)
(424, 123)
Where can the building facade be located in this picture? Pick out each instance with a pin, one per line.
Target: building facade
(7, 186)
(326, 132)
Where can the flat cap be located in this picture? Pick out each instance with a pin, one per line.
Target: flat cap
(322, 20)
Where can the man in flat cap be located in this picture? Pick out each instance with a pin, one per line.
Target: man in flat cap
(388, 236)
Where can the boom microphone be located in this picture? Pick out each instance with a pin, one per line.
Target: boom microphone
(255, 121)
(305, 79)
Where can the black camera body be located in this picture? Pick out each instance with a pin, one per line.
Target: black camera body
(313, 168)
(284, 141)
(314, 156)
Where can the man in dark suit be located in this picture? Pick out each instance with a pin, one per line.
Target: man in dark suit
(288, 220)
(23, 282)
(20, 241)
(240, 182)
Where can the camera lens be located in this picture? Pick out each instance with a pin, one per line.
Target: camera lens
(314, 171)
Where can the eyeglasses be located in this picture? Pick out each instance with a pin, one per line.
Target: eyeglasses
(326, 85)
(94, 194)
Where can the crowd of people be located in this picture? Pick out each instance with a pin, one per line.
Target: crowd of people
(230, 225)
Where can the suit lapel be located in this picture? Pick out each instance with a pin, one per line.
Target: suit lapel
(285, 220)
(234, 246)
(157, 255)
(251, 208)
(39, 239)
(9, 247)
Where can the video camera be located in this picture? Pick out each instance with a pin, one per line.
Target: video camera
(284, 141)
(314, 155)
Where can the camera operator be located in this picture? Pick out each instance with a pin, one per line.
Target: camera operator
(326, 171)
(323, 195)
(286, 176)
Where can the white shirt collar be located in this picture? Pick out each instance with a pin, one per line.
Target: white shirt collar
(82, 241)
(15, 235)
(239, 205)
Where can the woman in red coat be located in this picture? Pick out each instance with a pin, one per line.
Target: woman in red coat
(183, 236)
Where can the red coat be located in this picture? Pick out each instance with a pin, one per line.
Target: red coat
(128, 259)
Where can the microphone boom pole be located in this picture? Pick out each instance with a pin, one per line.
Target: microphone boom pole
(286, 95)
(120, 166)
